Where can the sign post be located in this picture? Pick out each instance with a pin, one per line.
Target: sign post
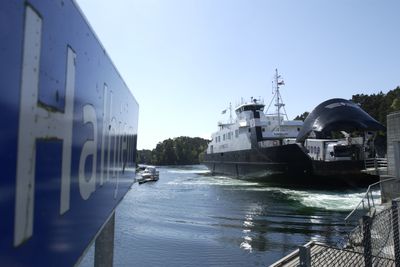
(104, 246)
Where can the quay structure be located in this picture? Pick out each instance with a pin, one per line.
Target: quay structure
(375, 241)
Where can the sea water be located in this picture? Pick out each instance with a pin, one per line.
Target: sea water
(192, 218)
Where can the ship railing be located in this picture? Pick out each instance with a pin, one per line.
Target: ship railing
(376, 166)
(368, 203)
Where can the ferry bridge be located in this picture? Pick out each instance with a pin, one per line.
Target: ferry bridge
(376, 240)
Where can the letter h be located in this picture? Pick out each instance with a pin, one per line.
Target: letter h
(38, 122)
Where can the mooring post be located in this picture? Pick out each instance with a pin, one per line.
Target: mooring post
(305, 256)
(396, 239)
(366, 224)
(104, 246)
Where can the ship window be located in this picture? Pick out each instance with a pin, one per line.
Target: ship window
(263, 129)
(318, 150)
(298, 129)
(249, 130)
(312, 150)
(223, 137)
(236, 133)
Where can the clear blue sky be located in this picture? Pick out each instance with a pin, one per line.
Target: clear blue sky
(185, 60)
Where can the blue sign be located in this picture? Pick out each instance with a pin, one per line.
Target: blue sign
(68, 134)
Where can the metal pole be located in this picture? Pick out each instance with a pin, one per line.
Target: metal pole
(104, 246)
(396, 147)
(277, 99)
(366, 220)
(305, 256)
(372, 198)
(369, 205)
(395, 225)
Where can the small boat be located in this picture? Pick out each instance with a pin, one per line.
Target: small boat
(150, 174)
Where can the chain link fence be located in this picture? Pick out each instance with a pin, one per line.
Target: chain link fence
(375, 242)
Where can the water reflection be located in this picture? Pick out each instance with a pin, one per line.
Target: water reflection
(278, 219)
(247, 227)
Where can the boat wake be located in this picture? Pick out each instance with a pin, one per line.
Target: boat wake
(214, 181)
(328, 200)
(190, 171)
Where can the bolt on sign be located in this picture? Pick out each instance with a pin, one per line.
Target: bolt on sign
(68, 139)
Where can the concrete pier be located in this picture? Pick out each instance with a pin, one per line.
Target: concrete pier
(393, 143)
(392, 190)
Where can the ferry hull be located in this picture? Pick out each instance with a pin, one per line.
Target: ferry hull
(287, 164)
(261, 162)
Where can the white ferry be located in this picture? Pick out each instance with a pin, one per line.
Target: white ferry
(269, 146)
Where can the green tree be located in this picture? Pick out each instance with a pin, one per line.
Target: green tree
(303, 116)
(181, 150)
(395, 104)
(379, 105)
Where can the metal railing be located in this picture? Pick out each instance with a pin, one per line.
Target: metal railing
(377, 165)
(377, 238)
(376, 242)
(367, 202)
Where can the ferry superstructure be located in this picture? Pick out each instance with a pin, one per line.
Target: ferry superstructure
(261, 145)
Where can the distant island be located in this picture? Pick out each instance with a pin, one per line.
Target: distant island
(181, 150)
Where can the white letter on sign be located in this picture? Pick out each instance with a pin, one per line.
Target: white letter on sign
(87, 187)
(39, 122)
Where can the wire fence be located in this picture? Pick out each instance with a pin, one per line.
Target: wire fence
(371, 199)
(375, 242)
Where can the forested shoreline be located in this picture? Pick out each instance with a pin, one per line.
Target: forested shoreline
(181, 150)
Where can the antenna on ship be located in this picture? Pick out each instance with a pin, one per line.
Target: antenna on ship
(278, 98)
(230, 112)
(276, 83)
